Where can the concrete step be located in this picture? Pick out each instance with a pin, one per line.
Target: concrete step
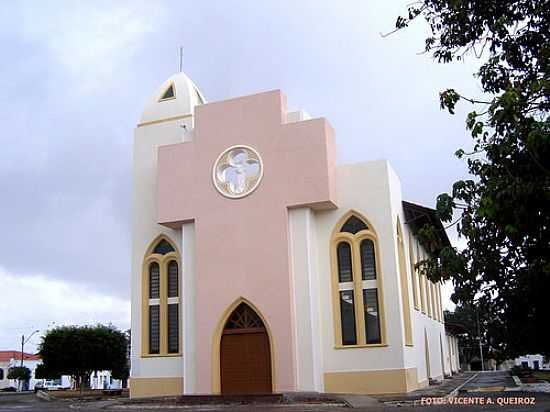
(229, 399)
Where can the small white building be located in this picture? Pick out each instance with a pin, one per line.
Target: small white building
(104, 380)
(10, 359)
(531, 361)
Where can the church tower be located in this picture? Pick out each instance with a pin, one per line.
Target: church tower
(168, 118)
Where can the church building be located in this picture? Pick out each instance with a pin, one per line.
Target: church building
(260, 265)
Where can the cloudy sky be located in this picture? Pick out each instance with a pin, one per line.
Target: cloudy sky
(74, 76)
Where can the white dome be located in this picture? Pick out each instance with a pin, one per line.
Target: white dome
(177, 96)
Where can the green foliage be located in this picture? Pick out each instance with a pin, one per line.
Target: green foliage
(20, 373)
(42, 372)
(79, 350)
(504, 211)
(475, 319)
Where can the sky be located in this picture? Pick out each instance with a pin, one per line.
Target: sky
(75, 75)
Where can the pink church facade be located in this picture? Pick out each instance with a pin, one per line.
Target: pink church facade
(260, 265)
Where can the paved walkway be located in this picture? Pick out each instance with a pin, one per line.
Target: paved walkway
(438, 390)
(490, 381)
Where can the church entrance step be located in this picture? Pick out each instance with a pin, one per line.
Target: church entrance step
(229, 399)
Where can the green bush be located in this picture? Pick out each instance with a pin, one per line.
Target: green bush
(20, 373)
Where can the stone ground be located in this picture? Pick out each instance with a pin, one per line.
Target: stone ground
(448, 385)
(485, 391)
(502, 401)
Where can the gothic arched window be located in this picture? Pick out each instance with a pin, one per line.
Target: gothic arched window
(404, 280)
(161, 301)
(357, 284)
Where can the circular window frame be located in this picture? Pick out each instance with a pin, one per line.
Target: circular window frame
(256, 184)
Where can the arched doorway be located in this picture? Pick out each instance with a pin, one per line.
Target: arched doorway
(245, 360)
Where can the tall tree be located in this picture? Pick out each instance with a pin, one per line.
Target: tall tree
(504, 210)
(80, 350)
(474, 320)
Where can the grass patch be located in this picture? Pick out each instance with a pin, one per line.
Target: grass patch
(542, 375)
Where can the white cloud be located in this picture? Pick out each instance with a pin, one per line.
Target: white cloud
(36, 301)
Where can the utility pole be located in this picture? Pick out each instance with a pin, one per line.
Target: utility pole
(479, 337)
(23, 341)
(22, 346)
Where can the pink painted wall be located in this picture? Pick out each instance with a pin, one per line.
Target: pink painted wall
(242, 244)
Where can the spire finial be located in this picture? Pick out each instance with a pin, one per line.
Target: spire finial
(181, 59)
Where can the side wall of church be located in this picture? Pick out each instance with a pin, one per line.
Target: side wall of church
(373, 190)
(424, 327)
(150, 375)
(364, 188)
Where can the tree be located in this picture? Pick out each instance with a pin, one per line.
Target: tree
(41, 372)
(474, 321)
(19, 373)
(80, 350)
(504, 210)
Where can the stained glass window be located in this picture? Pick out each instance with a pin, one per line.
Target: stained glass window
(154, 281)
(173, 328)
(353, 225)
(345, 273)
(154, 329)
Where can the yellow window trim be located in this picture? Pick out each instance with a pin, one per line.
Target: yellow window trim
(367, 345)
(404, 281)
(165, 119)
(414, 274)
(439, 302)
(355, 242)
(437, 311)
(427, 288)
(163, 261)
(422, 279)
(173, 86)
(433, 299)
(164, 355)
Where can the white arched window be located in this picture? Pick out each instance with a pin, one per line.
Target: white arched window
(357, 291)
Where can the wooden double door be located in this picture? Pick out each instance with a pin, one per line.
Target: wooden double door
(245, 354)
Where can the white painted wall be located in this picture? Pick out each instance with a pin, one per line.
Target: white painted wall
(104, 380)
(306, 300)
(373, 189)
(454, 353)
(362, 187)
(189, 320)
(4, 382)
(144, 230)
(5, 366)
